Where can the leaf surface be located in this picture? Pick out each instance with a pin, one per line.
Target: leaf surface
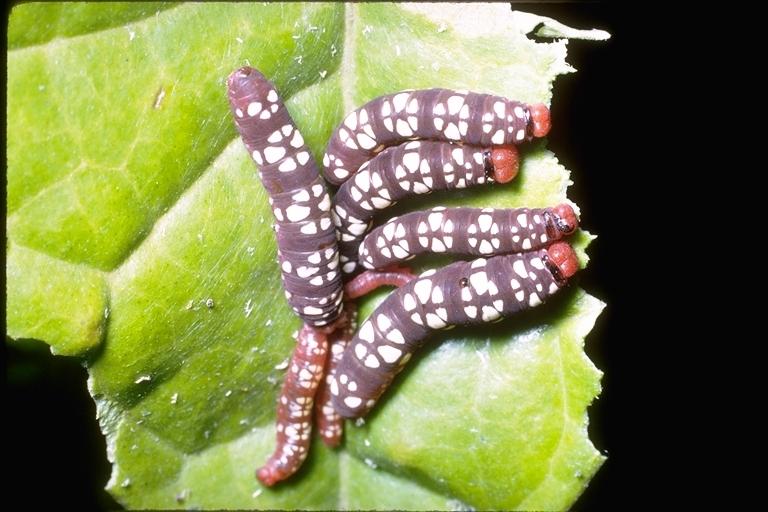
(140, 239)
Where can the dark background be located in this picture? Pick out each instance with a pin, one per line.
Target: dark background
(58, 455)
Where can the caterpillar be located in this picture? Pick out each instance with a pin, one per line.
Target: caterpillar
(437, 114)
(308, 257)
(297, 194)
(471, 231)
(462, 293)
(417, 167)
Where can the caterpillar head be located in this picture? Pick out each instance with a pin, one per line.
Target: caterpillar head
(541, 121)
(566, 219)
(504, 162)
(562, 261)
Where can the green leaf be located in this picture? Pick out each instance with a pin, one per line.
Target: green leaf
(139, 238)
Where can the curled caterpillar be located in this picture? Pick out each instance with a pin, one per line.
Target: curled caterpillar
(471, 231)
(417, 167)
(463, 293)
(437, 114)
(308, 257)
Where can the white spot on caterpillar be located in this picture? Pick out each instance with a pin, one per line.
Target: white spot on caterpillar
(396, 336)
(380, 203)
(454, 104)
(435, 220)
(297, 141)
(276, 136)
(519, 268)
(485, 222)
(307, 271)
(423, 289)
(309, 228)
(452, 132)
(458, 156)
(274, 153)
(352, 401)
(371, 361)
(490, 314)
(366, 332)
(296, 213)
(389, 354)
(500, 109)
(253, 108)
(365, 141)
(403, 129)
(288, 165)
(437, 245)
(479, 281)
(399, 101)
(434, 321)
(383, 322)
(399, 252)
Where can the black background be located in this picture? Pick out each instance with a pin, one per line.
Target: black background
(57, 456)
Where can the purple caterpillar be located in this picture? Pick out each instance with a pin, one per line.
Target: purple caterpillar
(308, 257)
(463, 293)
(417, 167)
(298, 197)
(468, 231)
(438, 114)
